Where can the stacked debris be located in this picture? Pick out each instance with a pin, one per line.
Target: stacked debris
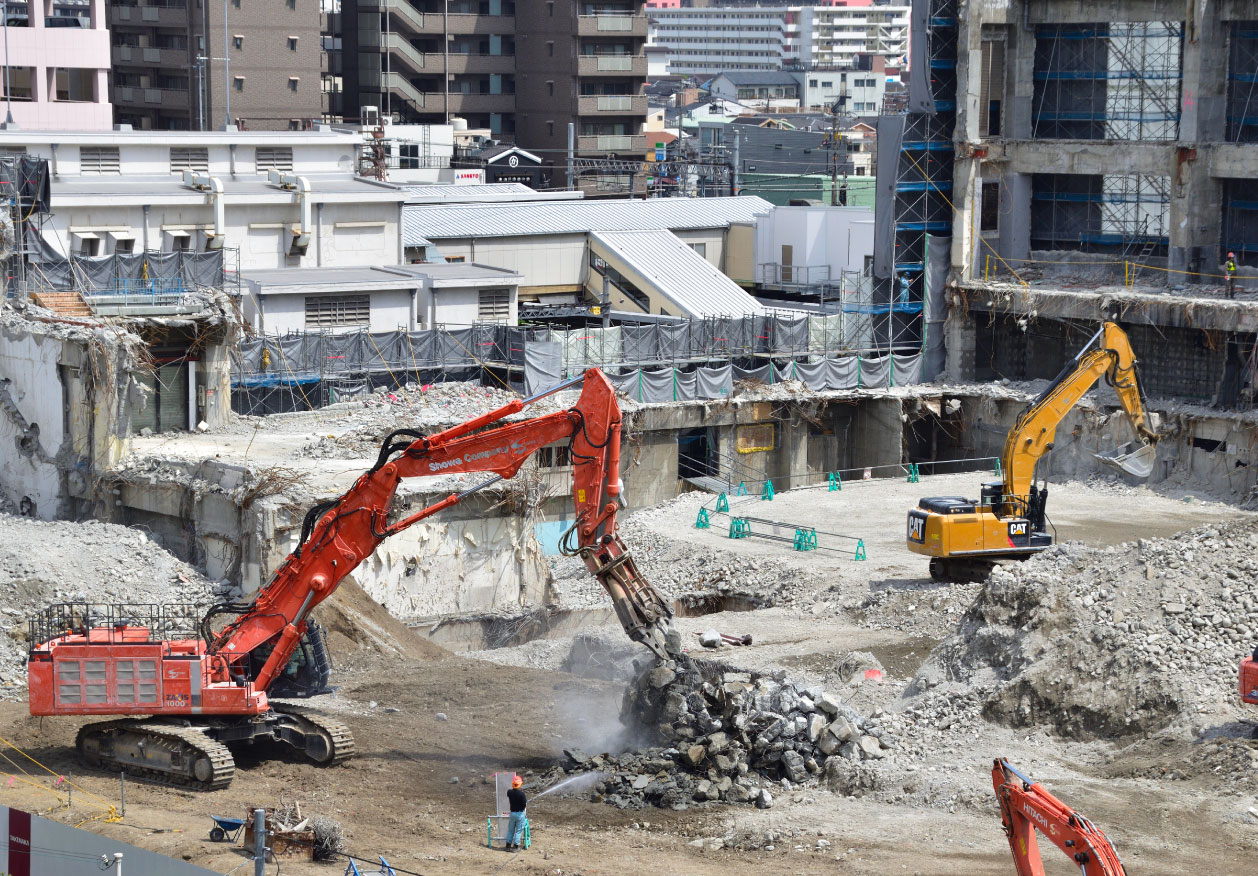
(729, 736)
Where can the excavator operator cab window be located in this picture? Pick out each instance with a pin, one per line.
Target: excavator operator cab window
(992, 493)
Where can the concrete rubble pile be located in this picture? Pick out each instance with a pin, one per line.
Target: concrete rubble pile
(1044, 639)
(736, 737)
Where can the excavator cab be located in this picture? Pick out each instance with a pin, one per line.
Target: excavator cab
(307, 672)
(1249, 680)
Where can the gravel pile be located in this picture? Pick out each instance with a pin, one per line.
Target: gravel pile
(1044, 641)
(45, 562)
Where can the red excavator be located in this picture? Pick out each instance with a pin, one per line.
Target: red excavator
(201, 685)
(1026, 807)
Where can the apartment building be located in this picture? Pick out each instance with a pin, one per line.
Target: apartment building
(57, 60)
(523, 69)
(197, 65)
(715, 39)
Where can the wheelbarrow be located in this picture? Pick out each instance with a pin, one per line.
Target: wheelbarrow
(226, 828)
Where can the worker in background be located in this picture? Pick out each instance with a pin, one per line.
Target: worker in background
(1229, 271)
(904, 288)
(515, 824)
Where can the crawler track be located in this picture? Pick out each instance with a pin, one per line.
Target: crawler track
(169, 754)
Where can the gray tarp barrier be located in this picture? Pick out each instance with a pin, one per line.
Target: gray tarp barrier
(843, 372)
(543, 366)
(714, 382)
(825, 332)
(890, 138)
(674, 340)
(764, 374)
(640, 342)
(421, 347)
(908, 369)
(790, 333)
(656, 386)
(875, 373)
(386, 350)
(938, 258)
(455, 346)
(342, 353)
(921, 98)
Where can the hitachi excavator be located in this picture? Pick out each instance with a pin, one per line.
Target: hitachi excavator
(964, 538)
(1026, 807)
(1249, 682)
(201, 686)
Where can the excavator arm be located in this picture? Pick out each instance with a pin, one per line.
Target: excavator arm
(1108, 354)
(1026, 807)
(340, 534)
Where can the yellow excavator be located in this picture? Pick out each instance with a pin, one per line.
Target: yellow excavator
(965, 539)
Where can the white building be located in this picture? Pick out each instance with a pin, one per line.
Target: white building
(711, 40)
(857, 92)
(407, 297)
(278, 199)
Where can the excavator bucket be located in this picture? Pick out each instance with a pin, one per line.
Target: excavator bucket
(1138, 463)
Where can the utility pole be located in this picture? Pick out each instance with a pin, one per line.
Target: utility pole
(572, 148)
(606, 308)
(8, 95)
(733, 175)
(227, 69)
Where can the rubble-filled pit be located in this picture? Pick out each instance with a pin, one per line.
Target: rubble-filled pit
(919, 709)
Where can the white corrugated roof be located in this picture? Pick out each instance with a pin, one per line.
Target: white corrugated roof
(437, 222)
(472, 193)
(669, 266)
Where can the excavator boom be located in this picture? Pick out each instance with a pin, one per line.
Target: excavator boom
(1107, 354)
(1026, 807)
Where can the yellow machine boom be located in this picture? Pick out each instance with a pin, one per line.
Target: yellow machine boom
(964, 538)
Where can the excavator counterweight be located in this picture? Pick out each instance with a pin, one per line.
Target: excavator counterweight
(206, 683)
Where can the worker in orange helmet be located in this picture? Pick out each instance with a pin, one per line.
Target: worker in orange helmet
(1229, 271)
(519, 817)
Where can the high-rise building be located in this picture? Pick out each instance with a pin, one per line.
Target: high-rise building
(56, 65)
(201, 64)
(715, 39)
(523, 69)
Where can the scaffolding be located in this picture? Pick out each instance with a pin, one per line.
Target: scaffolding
(1108, 81)
(1122, 213)
(1242, 83)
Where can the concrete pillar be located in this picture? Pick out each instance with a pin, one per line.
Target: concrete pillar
(1195, 220)
(1019, 79)
(878, 435)
(1015, 217)
(791, 470)
(959, 341)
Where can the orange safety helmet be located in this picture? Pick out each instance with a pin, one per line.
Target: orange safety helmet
(1231, 255)
(517, 782)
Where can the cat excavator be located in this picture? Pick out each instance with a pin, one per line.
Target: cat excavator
(964, 538)
(1025, 807)
(201, 682)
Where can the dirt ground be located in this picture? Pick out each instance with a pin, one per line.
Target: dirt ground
(399, 797)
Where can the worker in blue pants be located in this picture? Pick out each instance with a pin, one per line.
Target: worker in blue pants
(519, 814)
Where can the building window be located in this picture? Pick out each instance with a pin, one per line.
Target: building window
(238, 41)
(292, 43)
(494, 305)
(550, 129)
(990, 210)
(812, 83)
(700, 248)
(273, 158)
(98, 160)
(550, 88)
(292, 4)
(194, 158)
(124, 245)
(292, 82)
(239, 83)
(330, 311)
(550, 48)
(75, 84)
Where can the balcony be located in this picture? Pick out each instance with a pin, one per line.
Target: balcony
(611, 25)
(461, 63)
(137, 56)
(621, 143)
(481, 103)
(612, 65)
(151, 98)
(611, 105)
(148, 16)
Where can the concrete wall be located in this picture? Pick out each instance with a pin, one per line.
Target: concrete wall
(459, 305)
(390, 309)
(554, 262)
(32, 424)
